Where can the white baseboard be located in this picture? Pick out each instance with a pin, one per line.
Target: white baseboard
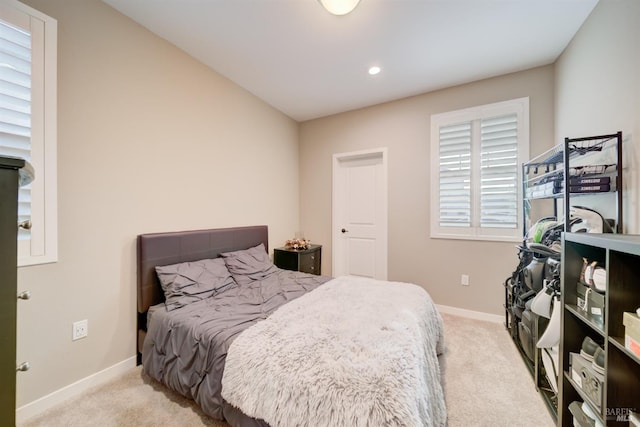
(72, 390)
(478, 315)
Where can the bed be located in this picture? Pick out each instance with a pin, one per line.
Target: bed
(294, 337)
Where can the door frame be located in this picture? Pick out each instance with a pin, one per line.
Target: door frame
(335, 235)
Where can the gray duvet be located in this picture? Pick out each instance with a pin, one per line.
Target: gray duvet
(186, 348)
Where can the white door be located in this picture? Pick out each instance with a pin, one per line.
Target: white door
(360, 214)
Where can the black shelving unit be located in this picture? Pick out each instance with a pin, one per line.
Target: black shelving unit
(575, 148)
(545, 177)
(545, 180)
(620, 254)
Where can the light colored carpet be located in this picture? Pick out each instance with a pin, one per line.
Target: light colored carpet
(486, 384)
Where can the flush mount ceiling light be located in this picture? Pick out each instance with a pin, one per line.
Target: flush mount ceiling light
(339, 7)
(374, 70)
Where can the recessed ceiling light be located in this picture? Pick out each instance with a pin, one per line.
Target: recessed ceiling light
(374, 70)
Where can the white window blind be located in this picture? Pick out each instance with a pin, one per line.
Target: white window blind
(499, 172)
(455, 175)
(15, 106)
(28, 122)
(476, 183)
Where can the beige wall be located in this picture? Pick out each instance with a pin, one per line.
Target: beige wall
(404, 128)
(598, 89)
(148, 140)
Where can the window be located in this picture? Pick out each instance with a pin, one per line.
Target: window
(476, 155)
(28, 129)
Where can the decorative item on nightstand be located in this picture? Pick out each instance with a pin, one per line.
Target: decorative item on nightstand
(306, 260)
(298, 242)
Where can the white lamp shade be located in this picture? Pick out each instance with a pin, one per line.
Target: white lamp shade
(339, 7)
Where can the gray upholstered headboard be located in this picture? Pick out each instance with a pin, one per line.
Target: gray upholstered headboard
(181, 246)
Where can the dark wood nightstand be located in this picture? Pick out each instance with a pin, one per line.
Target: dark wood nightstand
(304, 260)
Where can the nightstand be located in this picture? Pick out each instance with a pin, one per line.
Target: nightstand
(304, 260)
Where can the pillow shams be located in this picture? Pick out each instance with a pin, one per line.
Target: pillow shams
(190, 282)
(249, 264)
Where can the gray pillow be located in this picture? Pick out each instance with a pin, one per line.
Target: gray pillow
(190, 282)
(249, 264)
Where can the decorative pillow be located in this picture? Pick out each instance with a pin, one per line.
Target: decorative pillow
(249, 264)
(190, 282)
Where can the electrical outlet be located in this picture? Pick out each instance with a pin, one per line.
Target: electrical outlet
(464, 280)
(80, 329)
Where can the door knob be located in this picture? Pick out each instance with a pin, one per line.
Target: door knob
(24, 295)
(344, 230)
(25, 225)
(24, 366)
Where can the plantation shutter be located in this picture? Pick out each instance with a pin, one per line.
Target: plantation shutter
(455, 175)
(15, 106)
(499, 172)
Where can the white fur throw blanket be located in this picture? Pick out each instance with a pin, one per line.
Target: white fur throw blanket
(353, 352)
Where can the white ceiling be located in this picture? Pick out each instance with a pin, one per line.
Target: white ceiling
(308, 63)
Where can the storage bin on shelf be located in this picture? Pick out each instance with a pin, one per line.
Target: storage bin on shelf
(631, 323)
(591, 303)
